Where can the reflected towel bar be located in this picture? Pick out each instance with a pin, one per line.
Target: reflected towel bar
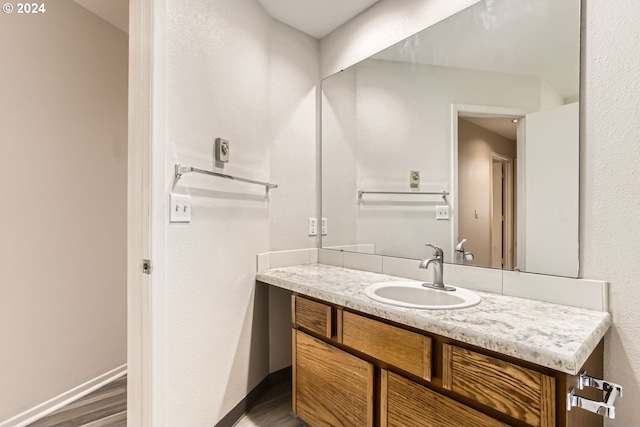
(181, 170)
(444, 194)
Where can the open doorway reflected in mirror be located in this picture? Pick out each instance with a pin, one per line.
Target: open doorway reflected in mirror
(487, 196)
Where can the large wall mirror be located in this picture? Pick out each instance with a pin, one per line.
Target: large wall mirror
(466, 136)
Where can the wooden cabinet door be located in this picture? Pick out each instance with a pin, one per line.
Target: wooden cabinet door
(516, 391)
(331, 388)
(407, 404)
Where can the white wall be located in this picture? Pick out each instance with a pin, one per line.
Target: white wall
(63, 141)
(294, 92)
(610, 185)
(294, 89)
(401, 121)
(551, 182)
(549, 97)
(232, 72)
(339, 173)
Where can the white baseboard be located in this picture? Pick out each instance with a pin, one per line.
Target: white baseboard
(42, 410)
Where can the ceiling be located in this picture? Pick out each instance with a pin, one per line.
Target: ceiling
(115, 12)
(501, 125)
(315, 17)
(526, 37)
(489, 36)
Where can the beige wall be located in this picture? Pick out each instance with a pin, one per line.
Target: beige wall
(63, 145)
(476, 146)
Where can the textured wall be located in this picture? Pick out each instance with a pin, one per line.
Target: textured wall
(232, 72)
(293, 87)
(63, 141)
(293, 92)
(610, 184)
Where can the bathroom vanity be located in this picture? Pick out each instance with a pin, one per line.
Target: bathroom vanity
(504, 362)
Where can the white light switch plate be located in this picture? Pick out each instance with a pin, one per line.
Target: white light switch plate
(180, 208)
(442, 212)
(324, 226)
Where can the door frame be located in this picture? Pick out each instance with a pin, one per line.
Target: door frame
(145, 213)
(470, 110)
(508, 244)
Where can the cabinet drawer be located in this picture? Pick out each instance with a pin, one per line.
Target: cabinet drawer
(398, 347)
(331, 387)
(311, 315)
(405, 403)
(519, 392)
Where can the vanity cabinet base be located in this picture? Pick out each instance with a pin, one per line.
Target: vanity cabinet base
(351, 369)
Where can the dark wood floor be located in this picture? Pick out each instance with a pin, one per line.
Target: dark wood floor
(273, 409)
(105, 407)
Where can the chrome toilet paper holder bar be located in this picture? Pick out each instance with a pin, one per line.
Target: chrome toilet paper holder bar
(606, 408)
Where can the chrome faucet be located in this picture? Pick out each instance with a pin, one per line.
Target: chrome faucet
(460, 256)
(438, 258)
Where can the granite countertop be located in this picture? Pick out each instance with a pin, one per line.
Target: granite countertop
(551, 335)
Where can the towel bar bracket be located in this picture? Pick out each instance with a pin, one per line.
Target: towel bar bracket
(606, 408)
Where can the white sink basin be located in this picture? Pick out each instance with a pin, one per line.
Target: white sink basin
(414, 295)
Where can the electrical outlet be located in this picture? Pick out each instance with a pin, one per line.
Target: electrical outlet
(180, 208)
(442, 212)
(324, 226)
(313, 226)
